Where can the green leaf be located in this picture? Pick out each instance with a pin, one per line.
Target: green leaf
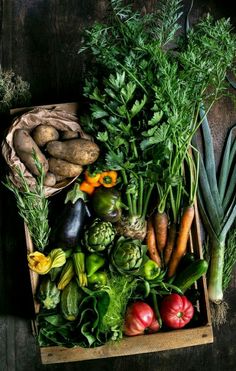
(98, 113)
(128, 91)
(86, 332)
(156, 118)
(111, 127)
(159, 136)
(115, 161)
(103, 301)
(209, 161)
(225, 166)
(117, 82)
(119, 141)
(138, 106)
(96, 95)
(150, 132)
(231, 219)
(102, 136)
(231, 189)
(208, 198)
(112, 94)
(122, 110)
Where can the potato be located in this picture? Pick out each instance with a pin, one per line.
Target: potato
(43, 134)
(64, 168)
(24, 146)
(59, 178)
(76, 151)
(50, 179)
(68, 134)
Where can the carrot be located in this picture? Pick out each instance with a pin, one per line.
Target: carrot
(151, 243)
(170, 243)
(182, 239)
(161, 229)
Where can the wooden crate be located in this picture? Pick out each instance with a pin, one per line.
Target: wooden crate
(138, 344)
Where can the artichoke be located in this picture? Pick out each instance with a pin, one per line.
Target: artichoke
(127, 256)
(99, 235)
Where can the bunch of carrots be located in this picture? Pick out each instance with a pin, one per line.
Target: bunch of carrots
(91, 181)
(166, 243)
(168, 231)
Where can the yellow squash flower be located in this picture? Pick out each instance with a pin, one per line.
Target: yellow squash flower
(42, 264)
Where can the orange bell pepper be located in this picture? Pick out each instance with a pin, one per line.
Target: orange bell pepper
(108, 178)
(92, 178)
(87, 187)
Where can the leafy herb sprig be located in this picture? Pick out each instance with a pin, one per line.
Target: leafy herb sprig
(32, 205)
(13, 90)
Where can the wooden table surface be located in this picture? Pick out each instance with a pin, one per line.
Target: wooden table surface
(39, 40)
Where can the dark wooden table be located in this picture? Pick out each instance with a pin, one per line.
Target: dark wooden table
(39, 40)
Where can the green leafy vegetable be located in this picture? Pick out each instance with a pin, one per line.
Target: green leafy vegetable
(120, 290)
(159, 99)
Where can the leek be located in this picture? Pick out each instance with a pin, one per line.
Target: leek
(217, 204)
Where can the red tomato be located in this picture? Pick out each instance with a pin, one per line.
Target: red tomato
(176, 311)
(140, 317)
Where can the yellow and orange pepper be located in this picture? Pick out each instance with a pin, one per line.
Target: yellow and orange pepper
(87, 187)
(108, 178)
(92, 178)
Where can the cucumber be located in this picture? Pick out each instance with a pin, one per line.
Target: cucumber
(186, 260)
(191, 274)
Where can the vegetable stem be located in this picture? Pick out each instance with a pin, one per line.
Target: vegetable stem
(140, 199)
(215, 289)
(156, 309)
(129, 200)
(149, 192)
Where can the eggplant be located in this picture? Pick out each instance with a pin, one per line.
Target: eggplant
(70, 222)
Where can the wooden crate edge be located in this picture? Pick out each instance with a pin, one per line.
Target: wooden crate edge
(130, 346)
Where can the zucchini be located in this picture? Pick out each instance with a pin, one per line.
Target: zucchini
(49, 294)
(191, 274)
(66, 275)
(71, 298)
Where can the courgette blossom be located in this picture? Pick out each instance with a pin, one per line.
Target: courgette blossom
(42, 264)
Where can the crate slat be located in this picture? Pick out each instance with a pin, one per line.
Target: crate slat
(132, 345)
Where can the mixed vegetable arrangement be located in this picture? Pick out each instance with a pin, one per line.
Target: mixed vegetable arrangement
(98, 285)
(116, 260)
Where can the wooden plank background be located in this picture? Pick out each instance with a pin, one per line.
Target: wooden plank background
(39, 39)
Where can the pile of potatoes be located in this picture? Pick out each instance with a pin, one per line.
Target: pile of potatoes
(61, 153)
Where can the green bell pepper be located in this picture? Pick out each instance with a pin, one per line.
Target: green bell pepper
(107, 204)
(93, 262)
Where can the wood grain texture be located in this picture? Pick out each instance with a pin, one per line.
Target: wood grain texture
(130, 346)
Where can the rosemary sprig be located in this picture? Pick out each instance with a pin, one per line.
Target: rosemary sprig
(32, 205)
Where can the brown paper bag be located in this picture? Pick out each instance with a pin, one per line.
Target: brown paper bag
(56, 117)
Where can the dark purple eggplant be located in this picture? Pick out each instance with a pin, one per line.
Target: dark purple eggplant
(71, 221)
